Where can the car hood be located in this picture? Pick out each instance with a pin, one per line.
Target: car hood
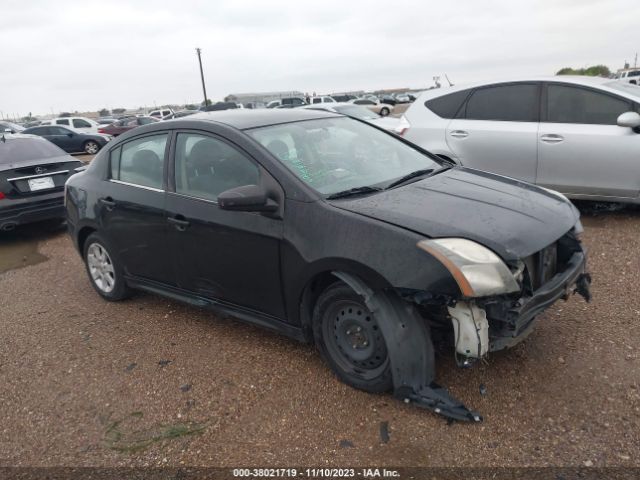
(512, 218)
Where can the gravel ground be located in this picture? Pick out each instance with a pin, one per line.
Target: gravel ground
(153, 382)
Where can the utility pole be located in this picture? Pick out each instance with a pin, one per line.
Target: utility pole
(635, 62)
(204, 89)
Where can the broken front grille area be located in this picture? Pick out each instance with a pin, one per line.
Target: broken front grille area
(543, 265)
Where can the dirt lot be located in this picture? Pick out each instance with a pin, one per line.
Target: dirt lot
(153, 382)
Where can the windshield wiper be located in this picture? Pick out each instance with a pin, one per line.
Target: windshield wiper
(417, 174)
(410, 176)
(354, 191)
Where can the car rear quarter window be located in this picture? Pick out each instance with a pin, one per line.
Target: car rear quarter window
(570, 104)
(140, 161)
(447, 106)
(206, 166)
(507, 103)
(62, 122)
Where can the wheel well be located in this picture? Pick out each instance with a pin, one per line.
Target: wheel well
(83, 234)
(310, 294)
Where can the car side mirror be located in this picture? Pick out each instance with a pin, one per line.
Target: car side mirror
(70, 134)
(247, 198)
(629, 119)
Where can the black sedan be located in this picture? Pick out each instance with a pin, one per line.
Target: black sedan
(331, 231)
(70, 140)
(32, 176)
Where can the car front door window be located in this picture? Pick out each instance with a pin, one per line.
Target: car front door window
(79, 123)
(206, 167)
(569, 104)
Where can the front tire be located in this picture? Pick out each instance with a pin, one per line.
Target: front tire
(90, 147)
(105, 271)
(350, 341)
(384, 111)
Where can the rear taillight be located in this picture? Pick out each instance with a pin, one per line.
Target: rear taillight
(2, 196)
(101, 130)
(402, 126)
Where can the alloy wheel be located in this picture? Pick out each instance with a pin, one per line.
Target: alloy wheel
(101, 268)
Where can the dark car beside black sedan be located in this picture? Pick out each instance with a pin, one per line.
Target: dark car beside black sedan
(331, 231)
(32, 176)
(70, 140)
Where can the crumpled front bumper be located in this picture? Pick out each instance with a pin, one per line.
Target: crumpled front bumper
(511, 325)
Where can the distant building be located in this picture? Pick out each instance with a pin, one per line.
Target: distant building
(264, 97)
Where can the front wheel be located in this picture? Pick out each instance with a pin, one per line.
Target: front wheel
(349, 339)
(91, 147)
(105, 273)
(384, 111)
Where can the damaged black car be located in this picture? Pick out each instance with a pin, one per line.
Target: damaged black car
(331, 231)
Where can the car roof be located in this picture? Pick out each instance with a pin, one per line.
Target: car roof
(245, 118)
(584, 80)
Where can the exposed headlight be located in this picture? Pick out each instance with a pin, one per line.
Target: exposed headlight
(478, 271)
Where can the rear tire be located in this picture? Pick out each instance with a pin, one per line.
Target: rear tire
(384, 111)
(90, 147)
(104, 269)
(350, 341)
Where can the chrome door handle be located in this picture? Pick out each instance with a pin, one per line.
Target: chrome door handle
(108, 203)
(459, 134)
(552, 138)
(179, 222)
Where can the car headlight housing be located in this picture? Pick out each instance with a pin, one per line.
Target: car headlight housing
(477, 270)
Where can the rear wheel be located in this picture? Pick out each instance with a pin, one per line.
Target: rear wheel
(384, 111)
(91, 147)
(105, 273)
(350, 341)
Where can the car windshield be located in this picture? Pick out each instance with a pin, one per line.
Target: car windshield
(337, 154)
(625, 87)
(25, 149)
(363, 113)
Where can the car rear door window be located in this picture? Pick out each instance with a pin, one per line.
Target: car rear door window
(447, 106)
(206, 166)
(64, 121)
(141, 161)
(507, 103)
(570, 104)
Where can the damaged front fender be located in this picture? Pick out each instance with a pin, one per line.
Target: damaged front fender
(411, 352)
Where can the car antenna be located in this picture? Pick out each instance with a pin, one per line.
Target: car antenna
(447, 77)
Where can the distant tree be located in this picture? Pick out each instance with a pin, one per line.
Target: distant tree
(209, 102)
(118, 110)
(191, 106)
(65, 114)
(104, 112)
(594, 71)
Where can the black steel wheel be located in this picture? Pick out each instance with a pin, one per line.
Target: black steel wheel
(350, 340)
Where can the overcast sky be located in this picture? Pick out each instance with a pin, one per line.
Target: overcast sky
(84, 55)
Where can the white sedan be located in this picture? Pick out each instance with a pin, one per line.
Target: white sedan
(358, 111)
